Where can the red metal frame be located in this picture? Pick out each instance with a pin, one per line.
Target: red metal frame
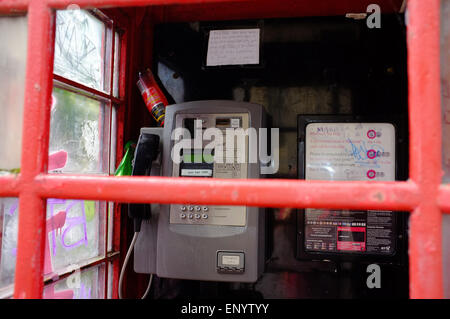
(422, 194)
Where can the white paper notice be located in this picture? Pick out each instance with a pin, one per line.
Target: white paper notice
(233, 47)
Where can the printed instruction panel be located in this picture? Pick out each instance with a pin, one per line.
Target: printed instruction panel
(350, 151)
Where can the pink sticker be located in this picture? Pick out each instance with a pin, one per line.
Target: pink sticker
(371, 134)
(371, 174)
(371, 154)
(57, 160)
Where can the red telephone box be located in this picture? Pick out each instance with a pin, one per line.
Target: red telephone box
(127, 31)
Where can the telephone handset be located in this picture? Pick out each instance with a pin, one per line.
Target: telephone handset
(147, 150)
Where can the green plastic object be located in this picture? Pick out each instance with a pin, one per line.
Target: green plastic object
(125, 167)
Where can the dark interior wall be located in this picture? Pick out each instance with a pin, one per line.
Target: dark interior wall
(327, 65)
(309, 66)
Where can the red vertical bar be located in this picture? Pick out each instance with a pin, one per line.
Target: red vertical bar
(38, 86)
(124, 93)
(425, 149)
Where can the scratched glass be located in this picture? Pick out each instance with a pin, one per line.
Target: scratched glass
(8, 244)
(85, 284)
(80, 48)
(445, 91)
(79, 134)
(13, 50)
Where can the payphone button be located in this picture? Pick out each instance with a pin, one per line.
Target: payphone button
(205, 216)
(182, 216)
(198, 208)
(197, 216)
(191, 208)
(205, 208)
(191, 216)
(183, 208)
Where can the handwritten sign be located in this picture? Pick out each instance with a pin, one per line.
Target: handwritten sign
(233, 47)
(350, 151)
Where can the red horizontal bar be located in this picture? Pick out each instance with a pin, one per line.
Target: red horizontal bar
(270, 9)
(249, 192)
(61, 4)
(9, 185)
(444, 198)
(14, 6)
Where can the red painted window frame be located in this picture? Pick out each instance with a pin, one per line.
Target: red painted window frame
(112, 25)
(422, 194)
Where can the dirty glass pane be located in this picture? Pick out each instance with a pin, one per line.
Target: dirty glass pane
(75, 233)
(445, 87)
(116, 64)
(85, 284)
(110, 280)
(446, 254)
(8, 243)
(79, 134)
(80, 48)
(13, 50)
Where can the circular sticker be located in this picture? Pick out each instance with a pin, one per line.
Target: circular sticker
(371, 154)
(371, 134)
(371, 174)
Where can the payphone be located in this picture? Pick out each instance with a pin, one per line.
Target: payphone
(203, 242)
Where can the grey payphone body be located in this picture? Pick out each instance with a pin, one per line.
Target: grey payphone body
(204, 242)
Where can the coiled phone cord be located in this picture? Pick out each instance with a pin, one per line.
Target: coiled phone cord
(124, 266)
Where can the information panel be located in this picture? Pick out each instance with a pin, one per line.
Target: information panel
(350, 151)
(356, 152)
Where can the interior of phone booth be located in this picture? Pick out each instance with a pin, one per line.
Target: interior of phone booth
(313, 61)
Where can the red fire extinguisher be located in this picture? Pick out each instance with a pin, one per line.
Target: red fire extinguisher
(153, 97)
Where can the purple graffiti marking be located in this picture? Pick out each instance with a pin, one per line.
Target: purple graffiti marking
(70, 222)
(13, 208)
(73, 222)
(55, 223)
(85, 293)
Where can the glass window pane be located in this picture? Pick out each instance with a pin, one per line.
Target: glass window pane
(86, 284)
(446, 254)
(110, 280)
(79, 134)
(75, 232)
(80, 48)
(13, 53)
(116, 64)
(8, 243)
